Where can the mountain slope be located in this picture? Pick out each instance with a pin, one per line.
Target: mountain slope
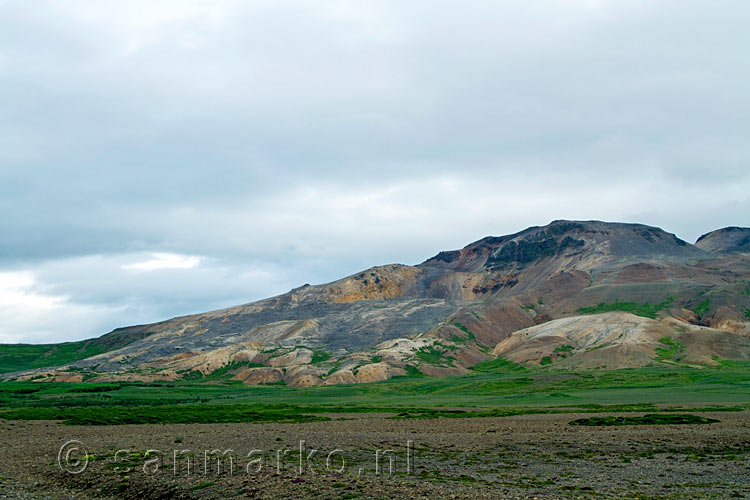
(450, 312)
(618, 340)
(14, 357)
(728, 239)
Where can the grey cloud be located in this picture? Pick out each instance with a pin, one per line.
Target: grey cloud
(309, 140)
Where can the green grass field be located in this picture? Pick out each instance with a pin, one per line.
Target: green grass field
(496, 388)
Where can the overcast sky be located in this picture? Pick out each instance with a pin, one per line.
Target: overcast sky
(160, 158)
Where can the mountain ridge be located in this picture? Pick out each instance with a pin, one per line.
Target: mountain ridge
(451, 311)
(727, 239)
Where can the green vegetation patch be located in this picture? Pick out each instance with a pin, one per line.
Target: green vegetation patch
(202, 485)
(645, 310)
(225, 372)
(564, 348)
(183, 414)
(670, 352)
(650, 419)
(320, 356)
(16, 357)
(702, 308)
(287, 413)
(498, 365)
(431, 355)
(455, 338)
(492, 384)
(413, 371)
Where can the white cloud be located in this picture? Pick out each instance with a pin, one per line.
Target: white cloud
(21, 289)
(82, 297)
(31, 312)
(160, 261)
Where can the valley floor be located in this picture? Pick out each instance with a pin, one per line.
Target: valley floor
(523, 456)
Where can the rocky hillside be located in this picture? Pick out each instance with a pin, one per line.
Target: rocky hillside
(570, 294)
(729, 239)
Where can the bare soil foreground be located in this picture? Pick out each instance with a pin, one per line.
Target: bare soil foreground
(528, 456)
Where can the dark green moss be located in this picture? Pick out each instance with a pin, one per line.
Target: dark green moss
(498, 365)
(702, 308)
(646, 310)
(431, 355)
(564, 348)
(670, 352)
(649, 419)
(319, 356)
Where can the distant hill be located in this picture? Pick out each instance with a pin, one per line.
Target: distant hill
(573, 294)
(728, 239)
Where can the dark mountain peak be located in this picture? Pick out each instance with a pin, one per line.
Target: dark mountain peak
(728, 239)
(565, 238)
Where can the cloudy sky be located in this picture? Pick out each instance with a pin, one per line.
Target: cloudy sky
(162, 158)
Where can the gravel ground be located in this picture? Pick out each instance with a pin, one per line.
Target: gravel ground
(529, 456)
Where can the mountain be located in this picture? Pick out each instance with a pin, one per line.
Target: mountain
(728, 239)
(573, 294)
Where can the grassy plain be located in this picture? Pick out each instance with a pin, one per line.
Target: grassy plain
(495, 388)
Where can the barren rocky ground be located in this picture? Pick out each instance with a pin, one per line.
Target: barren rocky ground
(529, 456)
